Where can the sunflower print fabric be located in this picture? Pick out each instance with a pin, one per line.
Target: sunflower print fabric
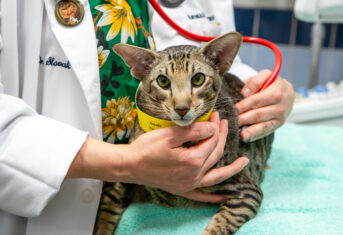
(118, 21)
(119, 16)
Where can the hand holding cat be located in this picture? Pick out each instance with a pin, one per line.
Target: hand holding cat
(163, 162)
(264, 111)
(157, 159)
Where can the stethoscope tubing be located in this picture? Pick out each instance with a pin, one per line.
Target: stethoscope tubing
(255, 40)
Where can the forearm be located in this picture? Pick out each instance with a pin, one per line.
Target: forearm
(102, 161)
(157, 159)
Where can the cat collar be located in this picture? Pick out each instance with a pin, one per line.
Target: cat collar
(149, 123)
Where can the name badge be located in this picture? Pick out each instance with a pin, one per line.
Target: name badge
(69, 12)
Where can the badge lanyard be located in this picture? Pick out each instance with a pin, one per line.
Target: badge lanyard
(196, 37)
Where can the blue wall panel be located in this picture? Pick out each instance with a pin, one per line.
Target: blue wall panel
(275, 25)
(244, 19)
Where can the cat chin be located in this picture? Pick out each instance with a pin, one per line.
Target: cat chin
(183, 122)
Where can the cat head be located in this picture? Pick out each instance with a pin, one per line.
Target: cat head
(181, 83)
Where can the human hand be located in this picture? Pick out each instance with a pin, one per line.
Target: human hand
(264, 111)
(160, 161)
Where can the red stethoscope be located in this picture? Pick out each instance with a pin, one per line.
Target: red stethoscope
(192, 36)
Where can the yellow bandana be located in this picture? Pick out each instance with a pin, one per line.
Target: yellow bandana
(149, 123)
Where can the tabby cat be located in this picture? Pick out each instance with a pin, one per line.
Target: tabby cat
(180, 84)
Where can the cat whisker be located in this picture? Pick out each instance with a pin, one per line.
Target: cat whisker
(222, 105)
(153, 98)
(227, 98)
(154, 108)
(224, 102)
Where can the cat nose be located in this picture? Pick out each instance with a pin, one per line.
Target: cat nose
(182, 111)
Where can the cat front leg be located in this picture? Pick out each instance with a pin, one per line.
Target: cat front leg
(243, 201)
(114, 201)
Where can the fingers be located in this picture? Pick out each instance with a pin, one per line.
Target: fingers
(195, 132)
(264, 98)
(259, 130)
(263, 114)
(210, 147)
(218, 175)
(218, 151)
(252, 85)
(267, 110)
(198, 195)
(214, 147)
(214, 118)
(273, 95)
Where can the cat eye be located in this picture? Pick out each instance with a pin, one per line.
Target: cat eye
(163, 82)
(198, 79)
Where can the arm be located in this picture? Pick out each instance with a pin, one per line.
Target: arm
(157, 159)
(38, 153)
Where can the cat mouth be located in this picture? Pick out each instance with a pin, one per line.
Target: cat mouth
(182, 121)
(186, 120)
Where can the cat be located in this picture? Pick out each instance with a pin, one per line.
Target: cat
(180, 84)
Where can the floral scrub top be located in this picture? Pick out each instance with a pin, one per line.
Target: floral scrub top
(118, 21)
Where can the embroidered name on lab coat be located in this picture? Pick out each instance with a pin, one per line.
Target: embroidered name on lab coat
(51, 61)
(196, 16)
(199, 16)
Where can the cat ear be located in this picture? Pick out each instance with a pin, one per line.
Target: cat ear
(221, 51)
(139, 60)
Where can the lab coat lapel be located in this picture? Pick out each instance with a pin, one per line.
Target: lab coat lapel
(82, 54)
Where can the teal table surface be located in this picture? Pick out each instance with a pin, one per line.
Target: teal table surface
(303, 191)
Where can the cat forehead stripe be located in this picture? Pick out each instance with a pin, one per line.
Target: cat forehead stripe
(179, 51)
(179, 57)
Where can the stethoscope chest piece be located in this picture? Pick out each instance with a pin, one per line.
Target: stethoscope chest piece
(69, 12)
(171, 3)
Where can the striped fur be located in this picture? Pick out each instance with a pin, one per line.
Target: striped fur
(179, 64)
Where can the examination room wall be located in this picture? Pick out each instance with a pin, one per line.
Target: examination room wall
(279, 25)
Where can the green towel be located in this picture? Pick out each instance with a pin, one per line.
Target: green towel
(303, 191)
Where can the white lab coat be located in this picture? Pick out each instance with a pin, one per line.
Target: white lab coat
(41, 132)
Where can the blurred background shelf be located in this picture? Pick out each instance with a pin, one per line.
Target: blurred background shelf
(320, 112)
